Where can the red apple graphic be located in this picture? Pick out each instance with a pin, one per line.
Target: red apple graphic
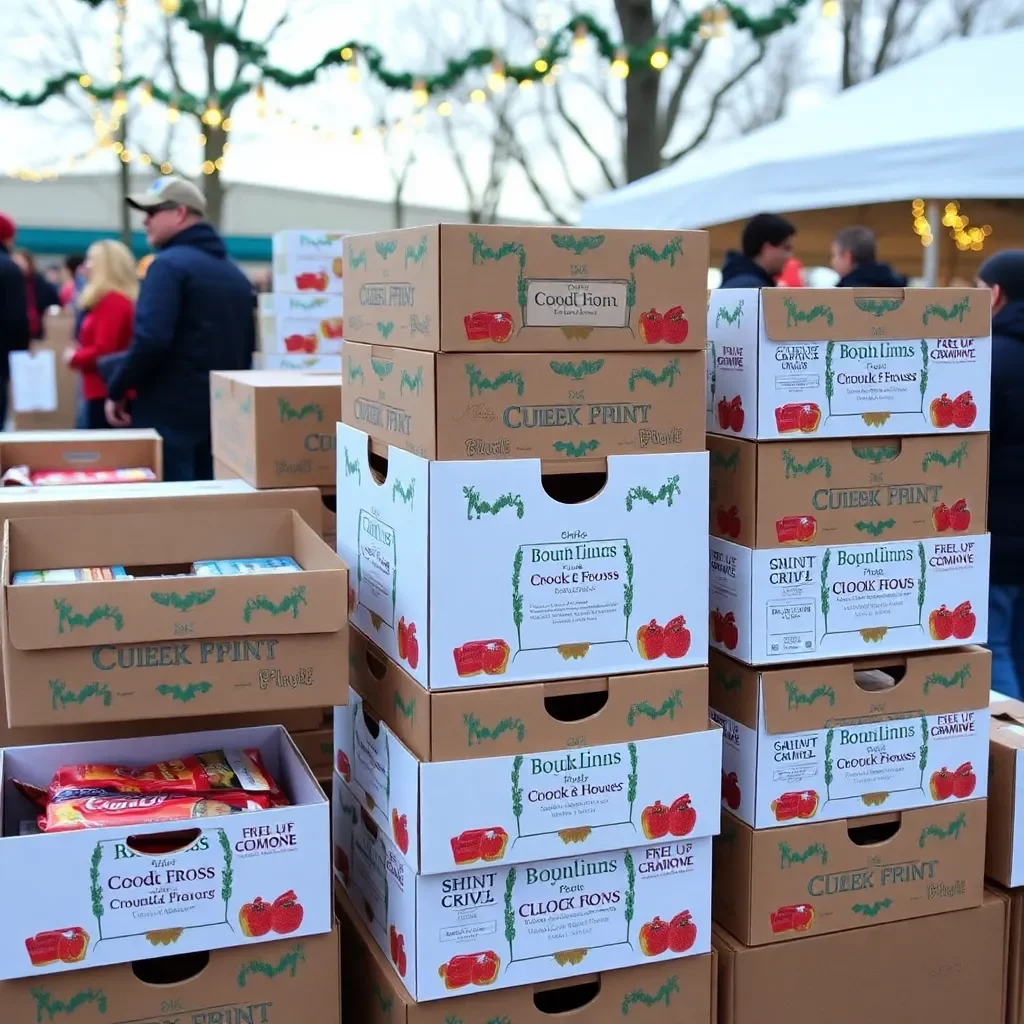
(960, 516)
(940, 624)
(256, 919)
(72, 944)
(677, 637)
(400, 830)
(724, 413)
(730, 632)
(731, 791)
(964, 621)
(682, 818)
(654, 937)
(736, 414)
(941, 411)
(344, 768)
(941, 518)
(654, 820)
(682, 933)
(941, 784)
(287, 913)
(964, 411)
(964, 781)
(675, 326)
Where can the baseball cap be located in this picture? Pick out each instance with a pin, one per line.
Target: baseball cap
(7, 228)
(163, 191)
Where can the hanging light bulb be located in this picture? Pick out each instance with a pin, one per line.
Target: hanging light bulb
(173, 114)
(444, 109)
(478, 96)
(620, 66)
(85, 81)
(830, 8)
(146, 94)
(166, 167)
(420, 93)
(170, 7)
(347, 53)
(208, 167)
(357, 134)
(541, 65)
(659, 58)
(496, 79)
(212, 115)
(579, 37)
(261, 100)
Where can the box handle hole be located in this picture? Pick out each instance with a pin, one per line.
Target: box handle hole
(573, 488)
(879, 829)
(160, 844)
(879, 678)
(567, 998)
(171, 970)
(574, 707)
(375, 664)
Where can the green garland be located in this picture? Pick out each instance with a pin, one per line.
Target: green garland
(557, 49)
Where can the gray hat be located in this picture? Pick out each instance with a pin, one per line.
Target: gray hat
(164, 191)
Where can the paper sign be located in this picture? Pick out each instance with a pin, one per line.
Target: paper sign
(34, 381)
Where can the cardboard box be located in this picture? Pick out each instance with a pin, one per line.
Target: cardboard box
(848, 600)
(798, 363)
(522, 585)
(317, 749)
(296, 324)
(71, 450)
(819, 741)
(59, 329)
(177, 646)
(305, 364)
(278, 983)
(773, 885)
(1005, 849)
(1015, 960)
(276, 429)
(469, 288)
(936, 970)
(521, 405)
(308, 262)
(114, 904)
(681, 992)
(772, 494)
(586, 765)
(503, 926)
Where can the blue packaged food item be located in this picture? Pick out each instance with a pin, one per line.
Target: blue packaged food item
(246, 566)
(92, 575)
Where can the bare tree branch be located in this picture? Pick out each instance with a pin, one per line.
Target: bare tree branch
(575, 128)
(671, 114)
(716, 102)
(889, 29)
(556, 147)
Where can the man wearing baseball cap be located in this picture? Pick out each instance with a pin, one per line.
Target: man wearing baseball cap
(14, 326)
(1003, 273)
(194, 315)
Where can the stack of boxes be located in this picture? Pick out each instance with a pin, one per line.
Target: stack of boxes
(300, 324)
(527, 780)
(101, 662)
(849, 466)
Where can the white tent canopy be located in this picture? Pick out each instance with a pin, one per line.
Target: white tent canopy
(946, 125)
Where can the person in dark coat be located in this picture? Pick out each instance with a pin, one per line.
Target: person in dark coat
(15, 334)
(40, 293)
(1003, 273)
(855, 260)
(194, 315)
(767, 248)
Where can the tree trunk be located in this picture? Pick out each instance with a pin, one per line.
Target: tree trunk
(124, 176)
(643, 154)
(214, 185)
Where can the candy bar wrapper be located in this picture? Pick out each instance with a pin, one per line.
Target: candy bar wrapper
(64, 478)
(93, 575)
(214, 772)
(246, 566)
(74, 810)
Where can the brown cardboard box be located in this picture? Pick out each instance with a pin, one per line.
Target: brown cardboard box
(456, 288)
(70, 450)
(945, 969)
(222, 471)
(276, 428)
(774, 494)
(786, 883)
(264, 983)
(59, 328)
(836, 736)
(317, 749)
(1004, 850)
(522, 405)
(1015, 959)
(672, 992)
(84, 652)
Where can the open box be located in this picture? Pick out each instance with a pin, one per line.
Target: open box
(770, 494)
(166, 647)
(102, 900)
(71, 451)
(276, 428)
(529, 571)
(1005, 849)
(501, 926)
(278, 983)
(520, 405)
(515, 774)
(514, 288)
(848, 600)
(679, 992)
(834, 740)
(798, 363)
(773, 885)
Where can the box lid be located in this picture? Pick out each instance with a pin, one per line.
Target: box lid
(863, 314)
(278, 378)
(135, 610)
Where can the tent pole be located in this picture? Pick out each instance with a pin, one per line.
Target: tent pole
(930, 254)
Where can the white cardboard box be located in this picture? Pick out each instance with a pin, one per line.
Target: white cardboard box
(501, 926)
(110, 904)
(307, 364)
(301, 324)
(847, 362)
(811, 743)
(847, 600)
(531, 806)
(522, 586)
(308, 261)
(1004, 849)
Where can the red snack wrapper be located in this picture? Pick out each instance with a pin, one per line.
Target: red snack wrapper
(75, 810)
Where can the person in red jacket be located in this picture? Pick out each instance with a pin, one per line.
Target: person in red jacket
(108, 300)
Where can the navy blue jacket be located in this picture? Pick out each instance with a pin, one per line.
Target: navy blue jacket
(1006, 457)
(14, 329)
(872, 275)
(194, 315)
(740, 271)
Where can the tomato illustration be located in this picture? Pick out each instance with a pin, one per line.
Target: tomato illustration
(675, 326)
(681, 816)
(256, 919)
(965, 412)
(654, 937)
(940, 623)
(652, 327)
(941, 411)
(731, 791)
(650, 641)
(964, 621)
(654, 820)
(964, 781)
(682, 933)
(677, 637)
(941, 784)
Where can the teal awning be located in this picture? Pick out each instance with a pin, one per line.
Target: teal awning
(63, 241)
